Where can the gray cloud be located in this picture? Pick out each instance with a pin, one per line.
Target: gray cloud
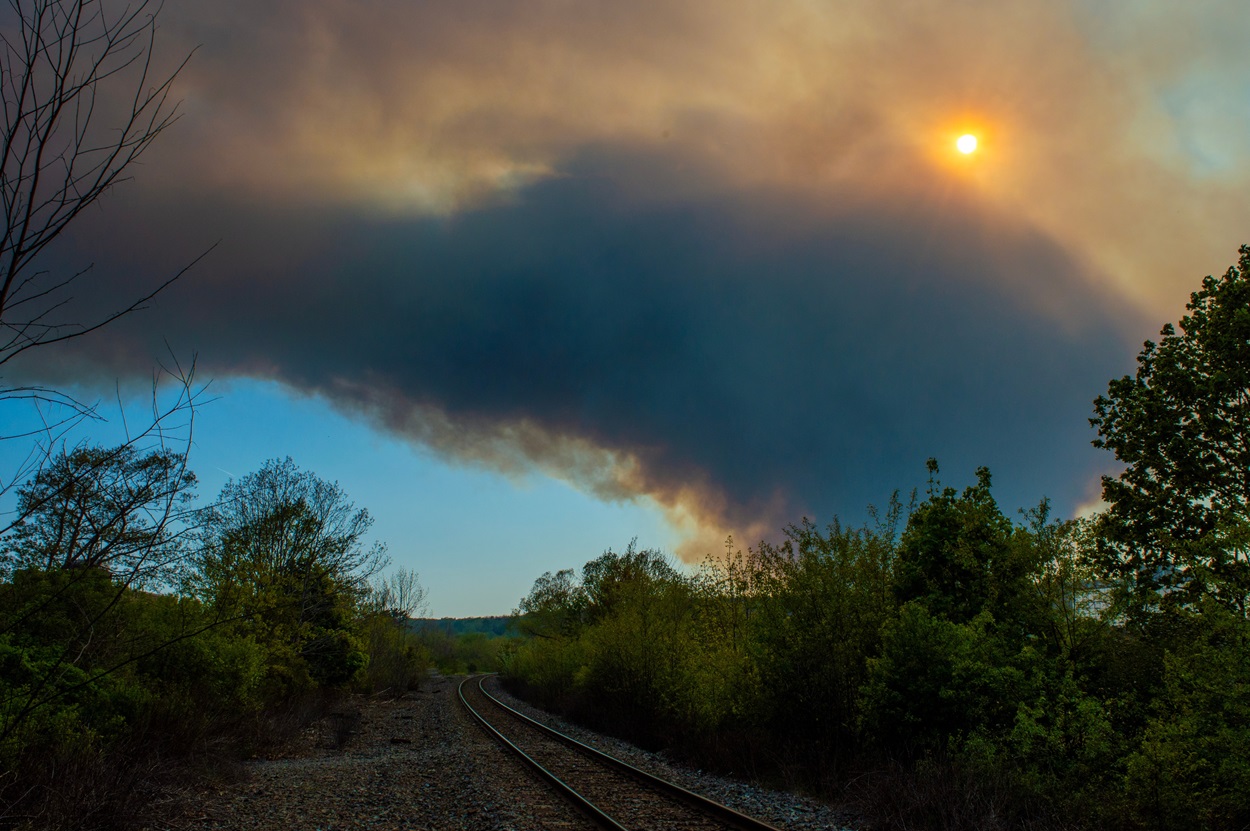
(741, 358)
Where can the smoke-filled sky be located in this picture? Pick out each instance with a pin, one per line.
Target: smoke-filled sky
(683, 267)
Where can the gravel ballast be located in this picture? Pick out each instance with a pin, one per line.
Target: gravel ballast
(779, 808)
(420, 762)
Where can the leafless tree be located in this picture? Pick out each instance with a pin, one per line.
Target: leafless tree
(83, 99)
(81, 105)
(399, 595)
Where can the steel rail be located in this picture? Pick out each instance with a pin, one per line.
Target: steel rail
(580, 802)
(716, 809)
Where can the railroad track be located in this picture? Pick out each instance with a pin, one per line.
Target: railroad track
(611, 793)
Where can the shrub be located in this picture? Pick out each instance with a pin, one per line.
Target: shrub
(1193, 765)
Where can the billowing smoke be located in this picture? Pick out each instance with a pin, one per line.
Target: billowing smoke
(709, 254)
(739, 359)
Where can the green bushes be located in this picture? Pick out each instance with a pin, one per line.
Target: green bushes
(966, 672)
(97, 680)
(937, 683)
(397, 660)
(611, 644)
(972, 671)
(108, 690)
(551, 671)
(1193, 765)
(818, 607)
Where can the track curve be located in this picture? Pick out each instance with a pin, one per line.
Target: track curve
(612, 793)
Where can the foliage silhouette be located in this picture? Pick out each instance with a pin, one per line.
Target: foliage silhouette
(1178, 525)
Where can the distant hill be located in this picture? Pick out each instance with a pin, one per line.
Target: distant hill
(500, 625)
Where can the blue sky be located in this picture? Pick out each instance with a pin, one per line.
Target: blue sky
(530, 285)
(477, 538)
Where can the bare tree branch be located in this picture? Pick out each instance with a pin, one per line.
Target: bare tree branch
(81, 103)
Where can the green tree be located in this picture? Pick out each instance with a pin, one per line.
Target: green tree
(1178, 522)
(117, 509)
(554, 607)
(824, 598)
(614, 646)
(613, 579)
(638, 606)
(723, 686)
(1192, 769)
(285, 550)
(93, 524)
(937, 681)
(1074, 605)
(397, 658)
(960, 556)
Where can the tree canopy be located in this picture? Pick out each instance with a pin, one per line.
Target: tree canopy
(286, 548)
(94, 507)
(281, 523)
(1178, 525)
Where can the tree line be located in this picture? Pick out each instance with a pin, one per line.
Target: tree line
(947, 665)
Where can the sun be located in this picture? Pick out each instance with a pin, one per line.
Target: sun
(966, 144)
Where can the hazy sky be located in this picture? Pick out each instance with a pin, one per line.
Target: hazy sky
(532, 278)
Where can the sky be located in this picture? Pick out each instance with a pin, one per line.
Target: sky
(532, 279)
